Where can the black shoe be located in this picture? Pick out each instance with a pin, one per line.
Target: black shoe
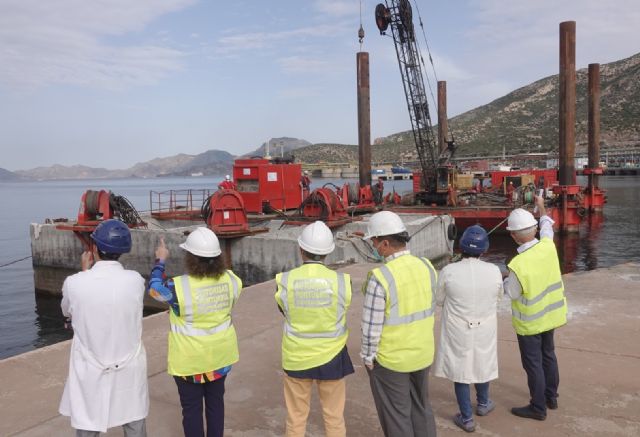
(528, 413)
(552, 403)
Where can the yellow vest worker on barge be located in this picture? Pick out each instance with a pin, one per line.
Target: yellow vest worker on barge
(538, 306)
(202, 341)
(314, 300)
(397, 330)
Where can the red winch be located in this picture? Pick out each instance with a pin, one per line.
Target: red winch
(225, 214)
(324, 204)
(98, 206)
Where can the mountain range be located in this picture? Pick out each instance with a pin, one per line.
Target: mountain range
(524, 120)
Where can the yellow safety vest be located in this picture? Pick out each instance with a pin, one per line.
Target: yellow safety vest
(202, 337)
(406, 343)
(314, 300)
(542, 305)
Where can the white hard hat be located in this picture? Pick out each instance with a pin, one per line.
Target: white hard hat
(384, 223)
(520, 219)
(202, 242)
(227, 177)
(317, 239)
(306, 172)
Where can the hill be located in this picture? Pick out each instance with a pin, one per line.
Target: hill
(282, 146)
(6, 175)
(211, 162)
(524, 120)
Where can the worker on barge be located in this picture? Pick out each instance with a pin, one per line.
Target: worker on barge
(314, 300)
(227, 184)
(107, 382)
(202, 340)
(469, 292)
(397, 330)
(538, 307)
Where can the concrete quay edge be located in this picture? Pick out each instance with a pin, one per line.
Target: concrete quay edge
(598, 352)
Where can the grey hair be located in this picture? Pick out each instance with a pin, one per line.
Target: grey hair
(524, 234)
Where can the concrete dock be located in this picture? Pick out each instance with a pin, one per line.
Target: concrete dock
(598, 352)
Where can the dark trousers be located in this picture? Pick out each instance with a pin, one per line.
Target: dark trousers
(402, 402)
(539, 361)
(191, 397)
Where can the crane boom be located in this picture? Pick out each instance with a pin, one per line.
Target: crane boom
(398, 15)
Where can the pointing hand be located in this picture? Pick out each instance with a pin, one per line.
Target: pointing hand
(162, 253)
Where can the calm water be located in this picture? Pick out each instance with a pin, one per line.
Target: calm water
(28, 321)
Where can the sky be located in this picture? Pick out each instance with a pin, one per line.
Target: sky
(108, 83)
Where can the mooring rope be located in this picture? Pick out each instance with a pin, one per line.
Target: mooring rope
(15, 261)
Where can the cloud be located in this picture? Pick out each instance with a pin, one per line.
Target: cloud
(297, 64)
(242, 42)
(338, 8)
(508, 44)
(83, 43)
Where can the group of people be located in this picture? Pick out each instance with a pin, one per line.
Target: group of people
(107, 383)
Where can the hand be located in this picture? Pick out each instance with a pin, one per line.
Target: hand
(368, 365)
(86, 260)
(539, 202)
(162, 253)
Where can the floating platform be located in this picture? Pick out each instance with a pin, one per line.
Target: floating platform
(255, 258)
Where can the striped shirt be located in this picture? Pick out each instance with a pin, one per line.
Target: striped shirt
(375, 302)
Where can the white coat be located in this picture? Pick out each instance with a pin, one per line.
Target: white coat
(107, 383)
(469, 292)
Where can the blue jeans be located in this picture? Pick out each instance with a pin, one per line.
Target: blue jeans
(463, 395)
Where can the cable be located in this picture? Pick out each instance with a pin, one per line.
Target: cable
(15, 261)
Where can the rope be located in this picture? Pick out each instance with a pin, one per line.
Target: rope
(433, 67)
(15, 261)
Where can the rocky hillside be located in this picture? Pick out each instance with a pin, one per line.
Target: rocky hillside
(211, 162)
(6, 175)
(528, 117)
(525, 120)
(283, 146)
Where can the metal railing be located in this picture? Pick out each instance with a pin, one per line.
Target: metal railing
(177, 201)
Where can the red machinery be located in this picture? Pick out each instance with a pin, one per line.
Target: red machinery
(98, 206)
(225, 214)
(264, 185)
(324, 204)
(594, 197)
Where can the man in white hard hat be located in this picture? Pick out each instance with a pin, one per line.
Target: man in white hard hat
(397, 330)
(227, 184)
(305, 180)
(314, 300)
(538, 306)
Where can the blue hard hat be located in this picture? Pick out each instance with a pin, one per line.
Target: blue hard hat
(112, 236)
(474, 240)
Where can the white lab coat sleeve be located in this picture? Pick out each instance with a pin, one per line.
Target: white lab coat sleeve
(441, 288)
(65, 304)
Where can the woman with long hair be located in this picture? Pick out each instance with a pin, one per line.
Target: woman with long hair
(202, 340)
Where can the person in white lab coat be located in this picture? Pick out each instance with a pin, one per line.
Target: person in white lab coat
(107, 382)
(469, 291)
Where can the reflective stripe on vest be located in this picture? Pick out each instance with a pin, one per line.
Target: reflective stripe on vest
(527, 318)
(341, 328)
(542, 304)
(538, 298)
(394, 318)
(193, 332)
(187, 328)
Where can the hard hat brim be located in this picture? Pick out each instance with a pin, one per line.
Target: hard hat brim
(202, 253)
